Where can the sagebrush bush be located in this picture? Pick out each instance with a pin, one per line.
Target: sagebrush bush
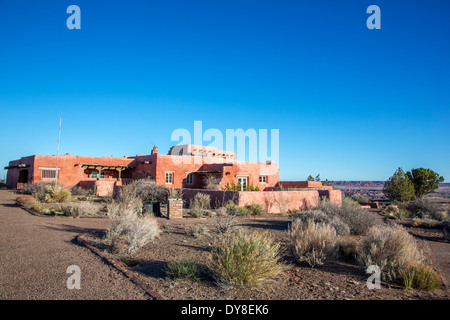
(186, 269)
(420, 276)
(34, 188)
(246, 260)
(446, 229)
(350, 212)
(426, 208)
(424, 223)
(391, 248)
(200, 205)
(312, 242)
(319, 216)
(82, 209)
(127, 224)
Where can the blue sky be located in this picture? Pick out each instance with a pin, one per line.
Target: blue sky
(350, 103)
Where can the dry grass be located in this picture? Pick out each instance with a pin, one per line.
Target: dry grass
(312, 242)
(200, 205)
(246, 260)
(420, 276)
(82, 209)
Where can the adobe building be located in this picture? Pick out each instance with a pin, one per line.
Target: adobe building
(185, 166)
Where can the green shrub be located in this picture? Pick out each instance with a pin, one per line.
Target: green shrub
(399, 187)
(391, 248)
(246, 260)
(53, 193)
(348, 249)
(186, 269)
(39, 207)
(420, 276)
(312, 242)
(360, 198)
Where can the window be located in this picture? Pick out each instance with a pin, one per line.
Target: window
(190, 178)
(242, 182)
(94, 174)
(169, 177)
(48, 174)
(263, 179)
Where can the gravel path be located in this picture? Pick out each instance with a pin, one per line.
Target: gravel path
(35, 253)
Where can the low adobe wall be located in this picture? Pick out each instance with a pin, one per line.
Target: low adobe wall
(272, 201)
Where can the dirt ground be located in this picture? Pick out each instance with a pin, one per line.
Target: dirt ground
(336, 280)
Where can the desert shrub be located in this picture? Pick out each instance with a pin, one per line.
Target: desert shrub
(175, 193)
(234, 210)
(255, 209)
(79, 191)
(224, 220)
(360, 198)
(200, 205)
(424, 223)
(350, 212)
(186, 269)
(34, 188)
(391, 248)
(145, 190)
(212, 182)
(312, 242)
(39, 207)
(26, 201)
(128, 225)
(348, 249)
(426, 208)
(246, 260)
(82, 209)
(319, 216)
(196, 231)
(53, 193)
(445, 225)
(420, 276)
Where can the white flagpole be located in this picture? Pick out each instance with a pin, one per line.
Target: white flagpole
(57, 150)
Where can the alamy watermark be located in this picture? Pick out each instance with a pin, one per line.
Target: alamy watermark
(74, 281)
(234, 140)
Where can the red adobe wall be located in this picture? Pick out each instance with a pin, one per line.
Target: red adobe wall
(274, 202)
(12, 176)
(182, 165)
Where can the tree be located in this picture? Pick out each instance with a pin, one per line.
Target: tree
(399, 187)
(425, 181)
(310, 178)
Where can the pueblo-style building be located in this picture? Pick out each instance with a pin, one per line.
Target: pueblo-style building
(190, 167)
(185, 166)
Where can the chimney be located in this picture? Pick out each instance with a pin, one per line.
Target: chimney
(155, 150)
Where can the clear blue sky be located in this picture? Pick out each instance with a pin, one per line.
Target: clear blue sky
(350, 103)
